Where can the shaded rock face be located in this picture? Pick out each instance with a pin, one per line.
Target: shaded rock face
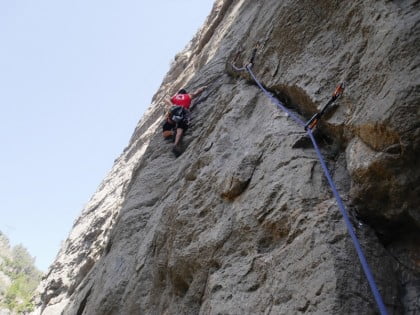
(243, 222)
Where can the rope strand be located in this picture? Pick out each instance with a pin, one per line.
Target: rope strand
(275, 100)
(350, 229)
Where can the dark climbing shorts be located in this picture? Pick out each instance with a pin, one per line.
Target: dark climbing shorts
(172, 125)
(183, 124)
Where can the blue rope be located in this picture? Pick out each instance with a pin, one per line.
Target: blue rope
(350, 229)
(238, 69)
(340, 203)
(275, 100)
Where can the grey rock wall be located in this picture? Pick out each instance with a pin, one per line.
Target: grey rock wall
(243, 222)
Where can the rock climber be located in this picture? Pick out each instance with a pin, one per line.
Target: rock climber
(178, 116)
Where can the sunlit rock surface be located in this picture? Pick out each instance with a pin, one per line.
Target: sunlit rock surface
(243, 222)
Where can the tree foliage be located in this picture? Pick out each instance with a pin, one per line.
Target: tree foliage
(19, 266)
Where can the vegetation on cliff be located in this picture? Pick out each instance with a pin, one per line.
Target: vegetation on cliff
(18, 277)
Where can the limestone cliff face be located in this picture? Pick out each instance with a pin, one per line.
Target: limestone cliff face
(243, 222)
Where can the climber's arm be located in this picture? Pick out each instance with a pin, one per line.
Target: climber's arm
(168, 102)
(198, 91)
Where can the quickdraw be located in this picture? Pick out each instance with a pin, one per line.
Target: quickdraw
(311, 124)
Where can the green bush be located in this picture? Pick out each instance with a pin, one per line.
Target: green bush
(18, 296)
(19, 266)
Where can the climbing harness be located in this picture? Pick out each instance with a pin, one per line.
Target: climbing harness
(177, 114)
(311, 124)
(308, 128)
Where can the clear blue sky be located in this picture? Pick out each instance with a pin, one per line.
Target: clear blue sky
(75, 78)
